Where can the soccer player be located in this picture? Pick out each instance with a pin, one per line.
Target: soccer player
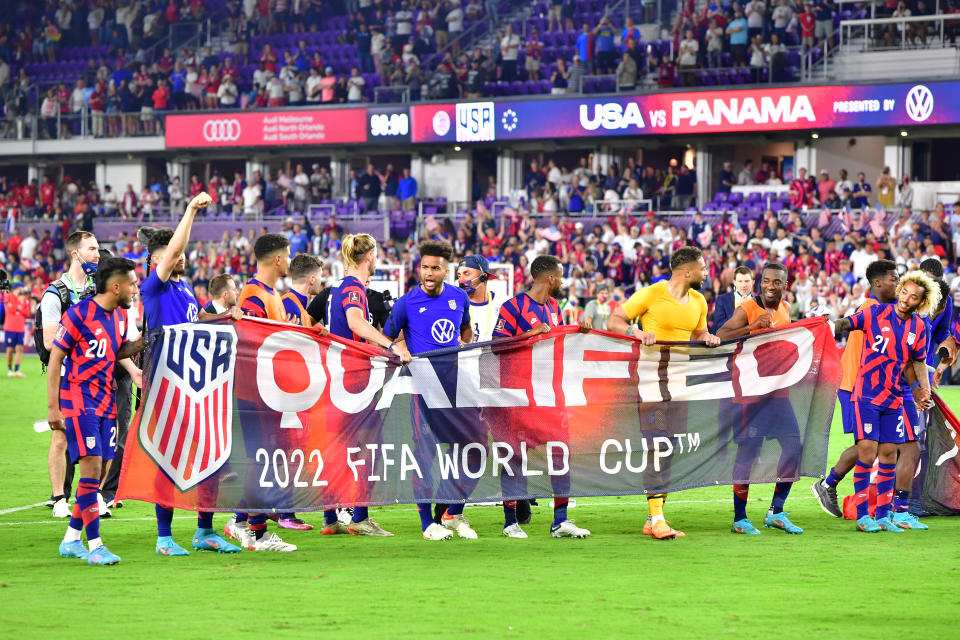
(894, 335)
(433, 316)
(528, 314)
(167, 300)
(17, 310)
(75, 284)
(884, 280)
(349, 317)
(770, 417)
(259, 299)
(89, 342)
(670, 310)
(472, 275)
(305, 274)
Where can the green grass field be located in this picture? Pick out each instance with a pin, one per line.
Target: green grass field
(831, 581)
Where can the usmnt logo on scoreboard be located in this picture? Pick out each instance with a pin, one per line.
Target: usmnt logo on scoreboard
(190, 403)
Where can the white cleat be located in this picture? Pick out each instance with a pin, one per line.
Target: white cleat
(272, 542)
(514, 531)
(61, 509)
(436, 532)
(461, 525)
(102, 505)
(239, 532)
(567, 529)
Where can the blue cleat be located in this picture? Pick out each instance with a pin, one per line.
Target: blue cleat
(167, 547)
(868, 525)
(208, 540)
(886, 524)
(102, 555)
(906, 520)
(745, 526)
(780, 521)
(74, 549)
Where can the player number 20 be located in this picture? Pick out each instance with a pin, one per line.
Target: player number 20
(280, 465)
(880, 344)
(96, 348)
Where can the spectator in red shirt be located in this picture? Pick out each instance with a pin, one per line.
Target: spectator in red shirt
(16, 311)
(800, 191)
(196, 187)
(808, 23)
(269, 58)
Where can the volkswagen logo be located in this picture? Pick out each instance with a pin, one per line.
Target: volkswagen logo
(919, 103)
(443, 331)
(221, 130)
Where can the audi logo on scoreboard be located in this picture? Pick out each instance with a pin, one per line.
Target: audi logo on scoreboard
(221, 130)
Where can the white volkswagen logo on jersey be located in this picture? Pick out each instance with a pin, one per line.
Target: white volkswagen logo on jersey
(443, 331)
(919, 103)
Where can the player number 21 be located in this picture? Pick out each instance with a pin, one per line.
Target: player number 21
(96, 348)
(880, 344)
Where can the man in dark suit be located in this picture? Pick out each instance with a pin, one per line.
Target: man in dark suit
(223, 294)
(728, 302)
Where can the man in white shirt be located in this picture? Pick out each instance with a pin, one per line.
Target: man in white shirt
(755, 12)
(687, 58)
(404, 19)
(472, 275)
(301, 188)
(355, 86)
(782, 242)
(251, 199)
(860, 259)
(509, 47)
(228, 92)
(455, 19)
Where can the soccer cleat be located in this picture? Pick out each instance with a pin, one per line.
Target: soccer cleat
(272, 542)
(102, 506)
(74, 549)
(167, 547)
(212, 542)
(461, 525)
(61, 509)
(334, 528)
(345, 515)
(567, 529)
(437, 532)
(746, 527)
(102, 555)
(661, 530)
(780, 521)
(827, 497)
(368, 527)
(886, 524)
(113, 503)
(20, 374)
(648, 527)
(236, 530)
(294, 523)
(906, 520)
(514, 531)
(868, 525)
(52, 500)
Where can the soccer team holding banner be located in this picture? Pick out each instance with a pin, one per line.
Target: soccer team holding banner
(885, 377)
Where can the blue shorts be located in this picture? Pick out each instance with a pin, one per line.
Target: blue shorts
(878, 424)
(846, 411)
(13, 338)
(91, 435)
(911, 419)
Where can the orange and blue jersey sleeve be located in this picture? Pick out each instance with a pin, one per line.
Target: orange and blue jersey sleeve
(918, 351)
(859, 320)
(253, 306)
(956, 331)
(353, 295)
(507, 324)
(291, 308)
(67, 333)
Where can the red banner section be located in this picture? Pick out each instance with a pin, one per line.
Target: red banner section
(266, 128)
(270, 417)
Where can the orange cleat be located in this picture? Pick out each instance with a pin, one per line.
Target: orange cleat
(661, 530)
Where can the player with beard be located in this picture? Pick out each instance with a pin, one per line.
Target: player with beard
(670, 310)
(528, 314)
(895, 337)
(89, 342)
(763, 418)
(433, 316)
(168, 300)
(472, 276)
(349, 317)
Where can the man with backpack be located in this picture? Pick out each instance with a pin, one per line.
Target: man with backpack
(69, 289)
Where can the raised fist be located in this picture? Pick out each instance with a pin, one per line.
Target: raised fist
(200, 201)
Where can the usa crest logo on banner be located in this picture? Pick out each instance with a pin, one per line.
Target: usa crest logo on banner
(190, 403)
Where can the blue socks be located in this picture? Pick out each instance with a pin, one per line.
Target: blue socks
(240, 517)
(780, 493)
(901, 501)
(360, 514)
(329, 516)
(509, 513)
(205, 520)
(861, 484)
(832, 479)
(740, 493)
(87, 501)
(559, 510)
(164, 520)
(425, 509)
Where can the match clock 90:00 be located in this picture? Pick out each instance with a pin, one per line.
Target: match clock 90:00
(394, 124)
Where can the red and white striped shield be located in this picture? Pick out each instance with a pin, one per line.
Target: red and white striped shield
(186, 426)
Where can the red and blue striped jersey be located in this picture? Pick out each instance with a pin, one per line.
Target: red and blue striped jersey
(349, 293)
(91, 337)
(521, 313)
(889, 342)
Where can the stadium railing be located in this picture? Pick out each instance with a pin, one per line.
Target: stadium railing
(870, 34)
